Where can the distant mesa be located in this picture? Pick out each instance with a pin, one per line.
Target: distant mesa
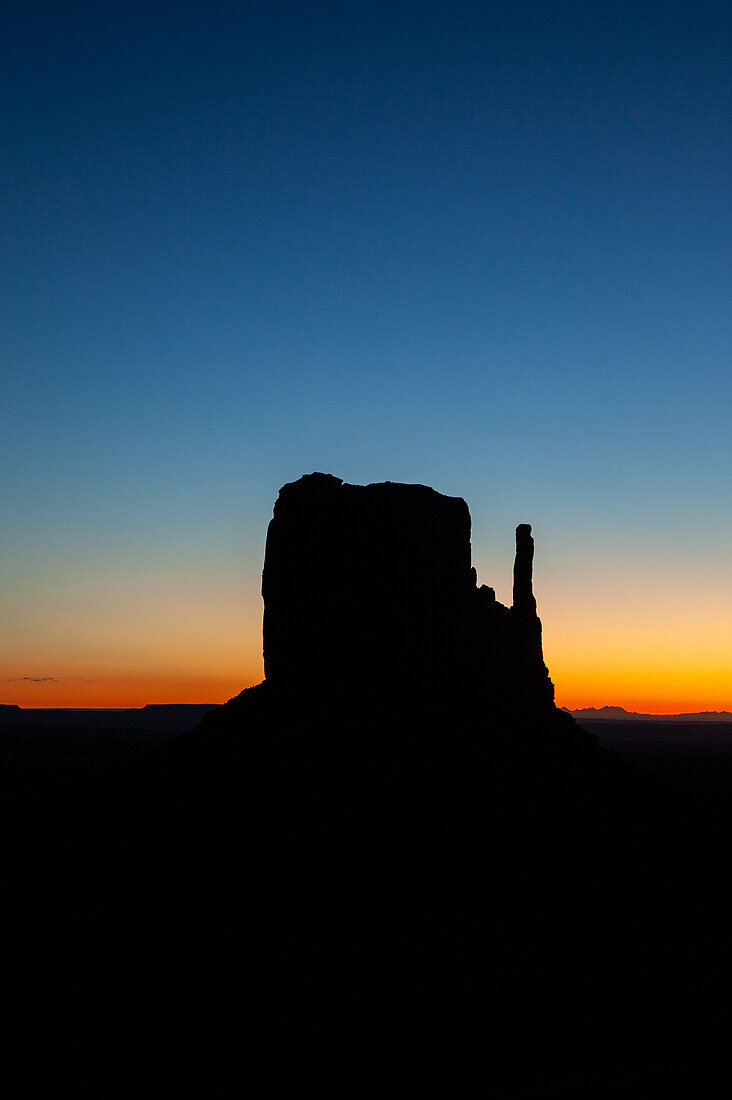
(153, 716)
(620, 714)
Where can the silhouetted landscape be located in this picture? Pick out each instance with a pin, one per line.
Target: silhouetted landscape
(83, 739)
(619, 714)
(694, 750)
(392, 868)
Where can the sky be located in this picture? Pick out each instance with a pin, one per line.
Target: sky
(481, 246)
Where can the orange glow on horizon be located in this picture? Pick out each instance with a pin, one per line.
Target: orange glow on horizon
(641, 652)
(122, 692)
(136, 691)
(642, 705)
(647, 690)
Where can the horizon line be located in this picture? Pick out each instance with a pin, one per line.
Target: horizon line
(209, 703)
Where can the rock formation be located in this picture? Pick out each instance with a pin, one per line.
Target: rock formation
(372, 585)
(523, 594)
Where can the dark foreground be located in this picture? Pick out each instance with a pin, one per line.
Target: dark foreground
(697, 755)
(426, 900)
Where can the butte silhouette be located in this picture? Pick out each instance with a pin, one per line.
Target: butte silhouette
(392, 868)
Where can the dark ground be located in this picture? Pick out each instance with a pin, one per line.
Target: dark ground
(697, 755)
(548, 925)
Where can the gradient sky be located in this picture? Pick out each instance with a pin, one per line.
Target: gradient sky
(481, 246)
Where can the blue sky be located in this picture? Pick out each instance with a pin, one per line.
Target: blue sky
(481, 246)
